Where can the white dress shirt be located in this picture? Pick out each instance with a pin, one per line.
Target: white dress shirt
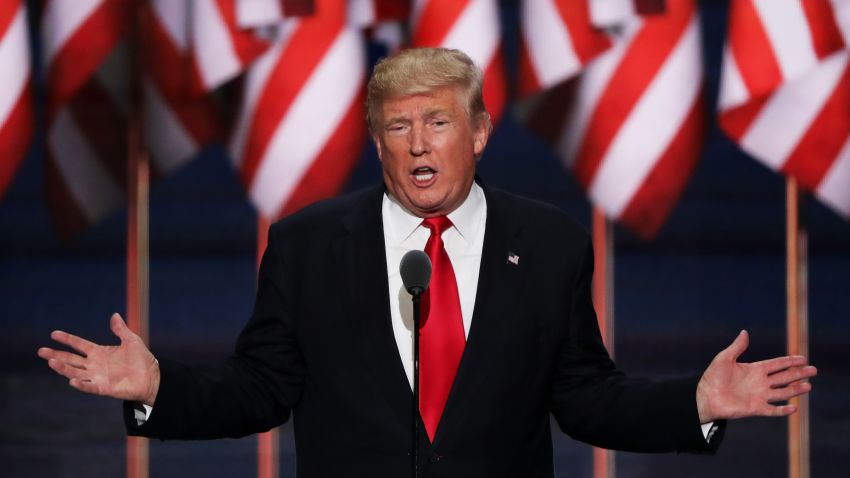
(404, 232)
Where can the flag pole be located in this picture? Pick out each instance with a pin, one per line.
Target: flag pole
(138, 193)
(603, 301)
(797, 324)
(268, 443)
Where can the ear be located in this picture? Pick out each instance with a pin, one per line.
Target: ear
(480, 136)
(377, 140)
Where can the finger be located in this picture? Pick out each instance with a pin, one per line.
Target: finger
(779, 364)
(783, 378)
(77, 343)
(738, 346)
(74, 360)
(119, 327)
(778, 410)
(789, 392)
(66, 370)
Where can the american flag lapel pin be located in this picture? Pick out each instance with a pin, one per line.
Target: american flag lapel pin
(513, 258)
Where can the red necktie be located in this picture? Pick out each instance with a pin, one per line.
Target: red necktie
(441, 340)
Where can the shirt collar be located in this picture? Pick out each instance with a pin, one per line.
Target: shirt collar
(465, 218)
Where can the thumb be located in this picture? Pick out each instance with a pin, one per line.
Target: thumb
(738, 346)
(118, 327)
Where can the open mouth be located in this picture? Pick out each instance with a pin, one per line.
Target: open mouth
(423, 175)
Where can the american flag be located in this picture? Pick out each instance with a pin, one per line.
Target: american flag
(16, 111)
(785, 91)
(300, 128)
(89, 80)
(473, 27)
(631, 126)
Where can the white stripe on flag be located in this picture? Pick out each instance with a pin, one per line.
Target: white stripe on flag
(61, 20)
(548, 43)
(173, 16)
(477, 32)
(834, 188)
(93, 189)
(170, 144)
(14, 63)
(733, 90)
(258, 13)
(789, 34)
(216, 57)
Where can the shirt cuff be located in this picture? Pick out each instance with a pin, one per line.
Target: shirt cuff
(142, 412)
(708, 430)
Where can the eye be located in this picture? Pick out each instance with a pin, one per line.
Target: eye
(396, 128)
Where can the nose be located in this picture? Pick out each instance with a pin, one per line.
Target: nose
(419, 143)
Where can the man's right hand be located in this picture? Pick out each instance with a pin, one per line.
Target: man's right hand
(127, 371)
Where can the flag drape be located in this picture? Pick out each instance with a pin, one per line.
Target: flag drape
(785, 91)
(631, 126)
(16, 110)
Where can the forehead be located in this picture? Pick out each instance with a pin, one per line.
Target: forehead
(446, 99)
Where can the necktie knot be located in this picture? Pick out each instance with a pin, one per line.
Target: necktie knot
(437, 225)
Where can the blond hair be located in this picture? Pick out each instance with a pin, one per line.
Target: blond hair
(423, 70)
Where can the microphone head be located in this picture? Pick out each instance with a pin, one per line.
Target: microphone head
(415, 268)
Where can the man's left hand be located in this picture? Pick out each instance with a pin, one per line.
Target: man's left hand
(729, 389)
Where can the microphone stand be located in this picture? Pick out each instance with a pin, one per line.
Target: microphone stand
(417, 295)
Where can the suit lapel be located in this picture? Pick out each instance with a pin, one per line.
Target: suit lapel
(361, 258)
(499, 281)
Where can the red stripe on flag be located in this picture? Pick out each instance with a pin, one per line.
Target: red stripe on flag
(752, 49)
(246, 45)
(661, 189)
(587, 40)
(84, 51)
(826, 36)
(305, 50)
(392, 9)
(638, 67)
(330, 169)
(104, 128)
(298, 8)
(66, 213)
(650, 7)
(436, 20)
(15, 135)
(8, 11)
(494, 92)
(823, 141)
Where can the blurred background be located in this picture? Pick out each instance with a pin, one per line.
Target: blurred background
(235, 125)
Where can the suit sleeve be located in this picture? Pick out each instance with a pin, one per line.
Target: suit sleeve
(594, 402)
(253, 391)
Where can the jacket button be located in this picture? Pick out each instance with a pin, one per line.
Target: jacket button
(435, 458)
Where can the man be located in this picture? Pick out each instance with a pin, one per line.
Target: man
(509, 334)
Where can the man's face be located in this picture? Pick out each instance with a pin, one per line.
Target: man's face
(427, 146)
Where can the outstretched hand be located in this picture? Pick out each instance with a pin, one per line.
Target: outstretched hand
(729, 389)
(127, 371)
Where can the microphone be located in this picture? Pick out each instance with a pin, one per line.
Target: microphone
(415, 268)
(415, 271)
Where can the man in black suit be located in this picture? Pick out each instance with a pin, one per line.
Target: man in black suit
(513, 339)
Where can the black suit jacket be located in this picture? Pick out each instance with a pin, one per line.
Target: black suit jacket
(320, 346)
